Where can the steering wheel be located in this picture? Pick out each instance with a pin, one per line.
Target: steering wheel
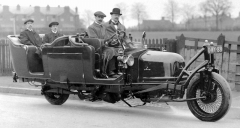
(112, 41)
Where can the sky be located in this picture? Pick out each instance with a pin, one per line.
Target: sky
(154, 8)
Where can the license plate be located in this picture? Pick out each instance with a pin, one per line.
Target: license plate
(215, 49)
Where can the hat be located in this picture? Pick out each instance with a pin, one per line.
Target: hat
(99, 13)
(53, 23)
(28, 20)
(116, 11)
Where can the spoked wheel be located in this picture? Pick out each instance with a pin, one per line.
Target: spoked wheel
(217, 100)
(56, 99)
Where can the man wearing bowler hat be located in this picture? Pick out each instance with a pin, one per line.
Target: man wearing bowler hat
(97, 30)
(111, 28)
(30, 37)
(51, 36)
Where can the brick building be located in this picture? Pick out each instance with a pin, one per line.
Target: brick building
(156, 25)
(225, 22)
(12, 18)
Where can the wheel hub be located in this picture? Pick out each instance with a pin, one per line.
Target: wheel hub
(210, 97)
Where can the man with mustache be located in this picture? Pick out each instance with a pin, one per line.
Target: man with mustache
(50, 37)
(97, 30)
(112, 26)
(31, 37)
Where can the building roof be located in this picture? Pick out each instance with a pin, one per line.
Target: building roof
(30, 9)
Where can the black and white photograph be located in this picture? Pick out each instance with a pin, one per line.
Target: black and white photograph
(120, 64)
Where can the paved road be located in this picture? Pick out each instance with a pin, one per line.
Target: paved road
(25, 111)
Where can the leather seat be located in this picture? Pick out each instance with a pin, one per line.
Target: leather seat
(97, 44)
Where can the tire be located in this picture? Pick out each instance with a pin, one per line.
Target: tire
(56, 99)
(216, 104)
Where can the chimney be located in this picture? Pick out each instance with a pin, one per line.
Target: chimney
(18, 7)
(66, 9)
(48, 8)
(76, 10)
(163, 18)
(36, 9)
(5, 8)
(58, 6)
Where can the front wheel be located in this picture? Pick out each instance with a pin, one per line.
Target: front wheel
(56, 99)
(217, 101)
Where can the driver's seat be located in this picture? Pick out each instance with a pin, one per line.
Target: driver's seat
(97, 44)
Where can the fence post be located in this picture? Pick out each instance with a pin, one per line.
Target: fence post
(221, 41)
(180, 49)
(237, 76)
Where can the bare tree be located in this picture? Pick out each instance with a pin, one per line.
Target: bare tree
(188, 13)
(139, 12)
(123, 7)
(171, 10)
(88, 17)
(204, 9)
(218, 8)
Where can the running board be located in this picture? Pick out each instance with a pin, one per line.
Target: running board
(161, 86)
(172, 100)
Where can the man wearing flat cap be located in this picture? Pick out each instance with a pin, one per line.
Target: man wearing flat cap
(51, 36)
(30, 37)
(97, 30)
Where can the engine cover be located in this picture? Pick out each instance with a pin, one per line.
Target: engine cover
(157, 64)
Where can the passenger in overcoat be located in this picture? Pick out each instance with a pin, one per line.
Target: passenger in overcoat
(51, 36)
(31, 37)
(97, 30)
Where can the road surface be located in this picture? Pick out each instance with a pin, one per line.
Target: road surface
(24, 111)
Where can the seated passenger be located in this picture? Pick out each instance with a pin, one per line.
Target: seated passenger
(51, 36)
(30, 37)
(97, 30)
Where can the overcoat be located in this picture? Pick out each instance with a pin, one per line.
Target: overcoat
(97, 31)
(30, 38)
(50, 37)
(110, 30)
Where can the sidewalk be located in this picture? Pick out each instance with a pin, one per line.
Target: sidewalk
(8, 86)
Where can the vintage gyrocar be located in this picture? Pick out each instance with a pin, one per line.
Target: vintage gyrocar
(72, 65)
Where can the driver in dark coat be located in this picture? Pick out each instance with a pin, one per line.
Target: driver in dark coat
(113, 25)
(50, 37)
(97, 30)
(30, 37)
(111, 28)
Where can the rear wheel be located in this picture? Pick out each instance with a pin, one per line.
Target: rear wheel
(56, 99)
(217, 101)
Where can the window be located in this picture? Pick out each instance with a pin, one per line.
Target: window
(71, 18)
